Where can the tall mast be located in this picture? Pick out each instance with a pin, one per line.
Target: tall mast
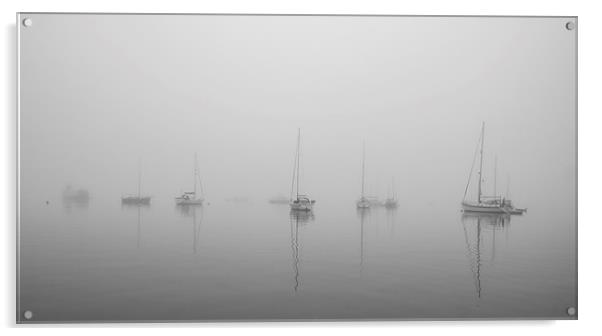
(363, 165)
(495, 177)
(139, 177)
(195, 174)
(294, 175)
(298, 158)
(481, 163)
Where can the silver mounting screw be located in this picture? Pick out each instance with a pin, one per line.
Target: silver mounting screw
(571, 311)
(570, 25)
(28, 314)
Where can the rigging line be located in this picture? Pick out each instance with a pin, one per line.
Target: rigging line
(474, 159)
(198, 176)
(294, 172)
(298, 160)
(201, 186)
(139, 176)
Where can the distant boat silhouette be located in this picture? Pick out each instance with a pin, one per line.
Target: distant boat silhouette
(363, 202)
(75, 195)
(391, 201)
(487, 204)
(299, 202)
(137, 199)
(191, 197)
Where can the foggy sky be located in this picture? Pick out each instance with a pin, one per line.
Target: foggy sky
(100, 92)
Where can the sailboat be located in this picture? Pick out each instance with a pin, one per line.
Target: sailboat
(363, 202)
(299, 202)
(137, 199)
(391, 201)
(487, 204)
(191, 197)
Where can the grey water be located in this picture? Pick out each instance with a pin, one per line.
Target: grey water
(255, 260)
(106, 97)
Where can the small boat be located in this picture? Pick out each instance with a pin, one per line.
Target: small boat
(487, 204)
(136, 199)
(391, 201)
(191, 197)
(363, 202)
(71, 195)
(302, 203)
(299, 202)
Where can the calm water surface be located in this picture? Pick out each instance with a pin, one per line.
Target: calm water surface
(255, 260)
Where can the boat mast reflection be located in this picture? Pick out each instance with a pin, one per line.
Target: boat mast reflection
(139, 223)
(297, 218)
(193, 212)
(362, 214)
(479, 222)
(391, 219)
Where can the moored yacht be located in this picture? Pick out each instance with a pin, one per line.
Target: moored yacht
(391, 201)
(137, 199)
(299, 202)
(191, 197)
(487, 204)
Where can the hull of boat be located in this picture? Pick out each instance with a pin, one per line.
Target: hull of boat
(363, 205)
(492, 209)
(189, 202)
(301, 207)
(135, 200)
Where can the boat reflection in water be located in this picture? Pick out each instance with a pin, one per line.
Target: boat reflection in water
(477, 227)
(362, 213)
(391, 218)
(297, 219)
(195, 213)
(138, 208)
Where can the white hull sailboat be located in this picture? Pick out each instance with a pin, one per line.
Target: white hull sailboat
(190, 197)
(299, 202)
(363, 202)
(487, 204)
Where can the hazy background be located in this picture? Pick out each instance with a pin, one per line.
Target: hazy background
(100, 92)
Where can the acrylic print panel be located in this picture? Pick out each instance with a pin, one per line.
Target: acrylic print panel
(253, 167)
